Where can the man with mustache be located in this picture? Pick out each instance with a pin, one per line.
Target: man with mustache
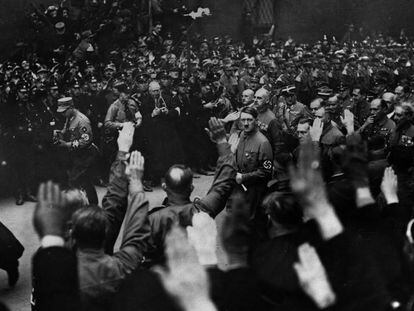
(254, 158)
(377, 123)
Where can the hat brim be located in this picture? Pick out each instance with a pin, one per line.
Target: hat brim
(62, 109)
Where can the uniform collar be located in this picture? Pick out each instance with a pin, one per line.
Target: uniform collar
(174, 199)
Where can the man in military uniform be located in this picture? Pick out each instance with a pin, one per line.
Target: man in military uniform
(77, 138)
(254, 159)
(294, 110)
(403, 133)
(124, 109)
(377, 123)
(262, 104)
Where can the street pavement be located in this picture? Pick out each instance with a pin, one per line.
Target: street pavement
(19, 220)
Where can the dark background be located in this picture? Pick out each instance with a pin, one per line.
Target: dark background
(302, 19)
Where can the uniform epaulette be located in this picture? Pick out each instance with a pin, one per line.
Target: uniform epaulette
(156, 209)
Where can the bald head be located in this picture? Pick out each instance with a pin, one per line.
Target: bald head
(247, 97)
(179, 180)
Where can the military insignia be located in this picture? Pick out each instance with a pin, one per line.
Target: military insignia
(75, 144)
(84, 129)
(262, 126)
(267, 164)
(85, 136)
(406, 141)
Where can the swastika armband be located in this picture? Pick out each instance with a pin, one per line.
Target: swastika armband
(267, 165)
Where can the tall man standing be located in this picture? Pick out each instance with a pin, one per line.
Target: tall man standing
(122, 110)
(159, 116)
(77, 138)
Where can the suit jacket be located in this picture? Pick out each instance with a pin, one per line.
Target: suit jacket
(55, 280)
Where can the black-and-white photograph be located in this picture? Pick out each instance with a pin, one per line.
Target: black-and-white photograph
(206, 155)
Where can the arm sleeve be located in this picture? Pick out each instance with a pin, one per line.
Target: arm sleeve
(277, 140)
(136, 233)
(86, 136)
(264, 170)
(115, 200)
(109, 118)
(223, 183)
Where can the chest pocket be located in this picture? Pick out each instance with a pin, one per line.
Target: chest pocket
(251, 159)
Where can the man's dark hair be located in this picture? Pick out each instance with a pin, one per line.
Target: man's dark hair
(179, 178)
(305, 120)
(89, 227)
(283, 208)
(250, 110)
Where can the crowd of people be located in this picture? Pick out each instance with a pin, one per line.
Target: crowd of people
(311, 147)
